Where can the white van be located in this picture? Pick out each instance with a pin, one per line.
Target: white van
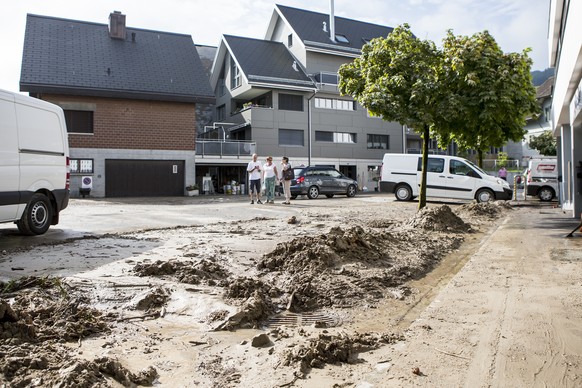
(447, 177)
(34, 162)
(542, 178)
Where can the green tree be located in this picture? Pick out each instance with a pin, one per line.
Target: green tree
(545, 143)
(492, 92)
(397, 78)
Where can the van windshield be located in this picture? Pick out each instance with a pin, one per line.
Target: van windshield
(476, 167)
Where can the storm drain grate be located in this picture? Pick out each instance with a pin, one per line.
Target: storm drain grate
(305, 319)
(566, 254)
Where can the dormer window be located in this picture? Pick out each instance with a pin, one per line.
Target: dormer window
(290, 40)
(341, 38)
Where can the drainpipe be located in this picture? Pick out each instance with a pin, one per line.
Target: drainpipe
(309, 127)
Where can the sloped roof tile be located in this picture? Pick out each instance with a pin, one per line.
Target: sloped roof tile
(267, 62)
(77, 57)
(309, 26)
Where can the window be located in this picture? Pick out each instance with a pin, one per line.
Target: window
(378, 142)
(291, 102)
(81, 166)
(291, 137)
(335, 137)
(323, 136)
(458, 168)
(327, 78)
(221, 87)
(332, 103)
(79, 121)
(434, 165)
(341, 38)
(344, 137)
(290, 40)
(220, 113)
(235, 77)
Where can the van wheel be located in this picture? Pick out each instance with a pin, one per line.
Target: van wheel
(485, 195)
(546, 194)
(37, 216)
(351, 191)
(403, 193)
(313, 192)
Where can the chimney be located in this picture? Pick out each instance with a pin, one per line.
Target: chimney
(117, 25)
(331, 22)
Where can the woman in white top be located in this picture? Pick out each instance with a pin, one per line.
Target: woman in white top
(270, 177)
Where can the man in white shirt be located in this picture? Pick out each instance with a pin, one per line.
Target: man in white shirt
(254, 170)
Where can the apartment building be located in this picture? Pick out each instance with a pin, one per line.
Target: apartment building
(565, 48)
(279, 96)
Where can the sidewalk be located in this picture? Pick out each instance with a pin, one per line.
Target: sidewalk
(512, 317)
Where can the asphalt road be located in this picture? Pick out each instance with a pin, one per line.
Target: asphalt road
(85, 217)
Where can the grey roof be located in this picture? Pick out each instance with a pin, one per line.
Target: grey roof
(309, 26)
(79, 58)
(545, 89)
(264, 61)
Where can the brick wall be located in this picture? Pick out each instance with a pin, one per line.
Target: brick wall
(133, 124)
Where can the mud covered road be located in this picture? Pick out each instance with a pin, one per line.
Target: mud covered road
(342, 292)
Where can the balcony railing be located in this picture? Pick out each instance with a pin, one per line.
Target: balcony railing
(220, 148)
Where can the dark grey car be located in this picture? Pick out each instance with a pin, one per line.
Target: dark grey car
(313, 181)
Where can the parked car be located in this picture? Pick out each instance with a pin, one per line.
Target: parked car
(313, 181)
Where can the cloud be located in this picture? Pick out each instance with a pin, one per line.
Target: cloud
(515, 24)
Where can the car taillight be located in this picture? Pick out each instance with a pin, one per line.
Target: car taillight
(68, 180)
(301, 179)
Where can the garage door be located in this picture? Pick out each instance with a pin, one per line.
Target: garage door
(144, 178)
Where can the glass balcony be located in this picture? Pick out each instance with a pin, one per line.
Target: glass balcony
(220, 148)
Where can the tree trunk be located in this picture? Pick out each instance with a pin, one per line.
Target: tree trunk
(425, 140)
(480, 158)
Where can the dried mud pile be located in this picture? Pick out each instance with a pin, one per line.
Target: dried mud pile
(37, 316)
(334, 349)
(339, 268)
(191, 272)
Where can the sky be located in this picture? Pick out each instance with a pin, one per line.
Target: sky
(515, 24)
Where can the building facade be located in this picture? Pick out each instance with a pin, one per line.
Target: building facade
(565, 48)
(279, 96)
(129, 97)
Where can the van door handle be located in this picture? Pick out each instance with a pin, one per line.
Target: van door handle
(450, 177)
(441, 176)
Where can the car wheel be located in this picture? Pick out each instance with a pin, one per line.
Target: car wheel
(37, 216)
(313, 192)
(329, 195)
(545, 194)
(403, 193)
(351, 191)
(485, 195)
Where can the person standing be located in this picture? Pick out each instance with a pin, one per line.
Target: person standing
(287, 171)
(502, 173)
(254, 170)
(270, 178)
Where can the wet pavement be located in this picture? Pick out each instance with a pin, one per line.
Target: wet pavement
(91, 217)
